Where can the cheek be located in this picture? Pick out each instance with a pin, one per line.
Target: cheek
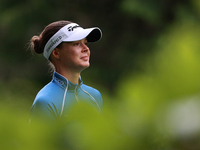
(70, 54)
(73, 57)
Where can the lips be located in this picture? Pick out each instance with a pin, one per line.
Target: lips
(85, 57)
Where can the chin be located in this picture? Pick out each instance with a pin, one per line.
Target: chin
(83, 67)
(86, 64)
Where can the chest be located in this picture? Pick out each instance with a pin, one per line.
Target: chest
(65, 100)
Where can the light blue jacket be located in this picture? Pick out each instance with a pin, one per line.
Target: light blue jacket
(57, 97)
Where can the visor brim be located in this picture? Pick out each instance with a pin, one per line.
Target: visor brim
(92, 35)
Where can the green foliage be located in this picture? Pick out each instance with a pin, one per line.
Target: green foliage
(165, 99)
(144, 9)
(149, 58)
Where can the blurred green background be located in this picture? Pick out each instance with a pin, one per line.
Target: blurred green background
(147, 67)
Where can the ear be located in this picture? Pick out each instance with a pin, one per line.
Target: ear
(56, 53)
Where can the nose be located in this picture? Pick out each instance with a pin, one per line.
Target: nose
(85, 48)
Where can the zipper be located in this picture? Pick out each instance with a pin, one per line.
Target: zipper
(63, 101)
(76, 94)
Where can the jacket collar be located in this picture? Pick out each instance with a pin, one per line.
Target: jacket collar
(62, 81)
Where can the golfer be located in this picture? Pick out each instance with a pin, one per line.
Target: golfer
(64, 45)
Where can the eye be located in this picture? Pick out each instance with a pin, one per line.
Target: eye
(76, 43)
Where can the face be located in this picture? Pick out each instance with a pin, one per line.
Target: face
(74, 55)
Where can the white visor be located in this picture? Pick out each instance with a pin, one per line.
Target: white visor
(69, 33)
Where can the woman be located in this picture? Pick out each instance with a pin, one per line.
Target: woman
(64, 44)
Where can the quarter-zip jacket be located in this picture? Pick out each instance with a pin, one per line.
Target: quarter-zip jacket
(57, 97)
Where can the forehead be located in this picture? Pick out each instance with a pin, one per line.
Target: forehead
(70, 43)
(85, 39)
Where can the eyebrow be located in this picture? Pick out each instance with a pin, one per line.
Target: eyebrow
(85, 40)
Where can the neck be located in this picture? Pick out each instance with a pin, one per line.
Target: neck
(70, 75)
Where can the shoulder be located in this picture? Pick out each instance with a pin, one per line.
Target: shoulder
(40, 104)
(94, 93)
(46, 100)
(42, 107)
(90, 90)
(48, 94)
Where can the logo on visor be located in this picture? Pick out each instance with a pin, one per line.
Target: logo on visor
(71, 28)
(54, 42)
